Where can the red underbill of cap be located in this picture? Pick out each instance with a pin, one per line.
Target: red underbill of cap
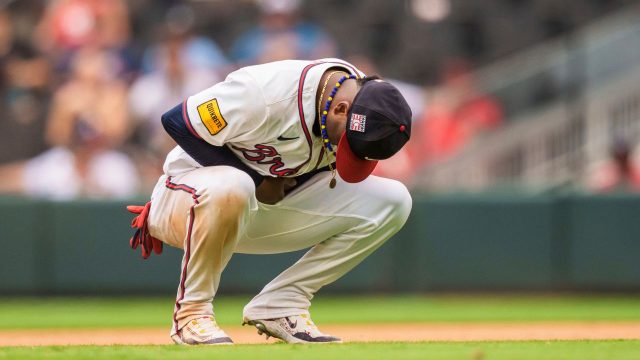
(351, 168)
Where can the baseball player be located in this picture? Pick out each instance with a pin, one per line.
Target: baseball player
(255, 172)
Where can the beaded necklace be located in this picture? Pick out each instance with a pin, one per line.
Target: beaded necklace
(324, 87)
(328, 148)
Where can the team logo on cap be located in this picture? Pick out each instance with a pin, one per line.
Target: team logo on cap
(358, 122)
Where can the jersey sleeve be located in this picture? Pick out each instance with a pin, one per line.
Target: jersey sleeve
(227, 111)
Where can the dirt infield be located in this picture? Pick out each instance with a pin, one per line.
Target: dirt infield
(350, 333)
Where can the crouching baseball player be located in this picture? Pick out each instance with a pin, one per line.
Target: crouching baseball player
(255, 172)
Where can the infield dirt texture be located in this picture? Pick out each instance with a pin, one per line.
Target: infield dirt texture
(412, 327)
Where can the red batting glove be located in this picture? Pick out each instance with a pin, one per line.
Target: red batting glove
(142, 236)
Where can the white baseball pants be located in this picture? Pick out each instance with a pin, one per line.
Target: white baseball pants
(212, 212)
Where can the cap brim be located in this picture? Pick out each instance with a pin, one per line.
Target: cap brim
(351, 168)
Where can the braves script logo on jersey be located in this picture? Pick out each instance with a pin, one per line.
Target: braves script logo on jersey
(358, 122)
(265, 154)
(211, 117)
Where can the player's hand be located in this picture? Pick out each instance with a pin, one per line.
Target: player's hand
(272, 190)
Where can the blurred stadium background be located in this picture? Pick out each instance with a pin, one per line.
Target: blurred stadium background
(524, 157)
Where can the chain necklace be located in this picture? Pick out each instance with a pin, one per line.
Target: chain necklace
(323, 131)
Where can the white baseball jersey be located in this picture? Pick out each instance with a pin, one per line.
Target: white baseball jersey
(264, 114)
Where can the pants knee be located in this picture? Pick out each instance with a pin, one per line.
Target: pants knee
(388, 205)
(231, 191)
(399, 201)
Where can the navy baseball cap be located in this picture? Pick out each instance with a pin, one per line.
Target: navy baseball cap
(378, 126)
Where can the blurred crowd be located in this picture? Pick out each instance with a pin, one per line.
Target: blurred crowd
(83, 82)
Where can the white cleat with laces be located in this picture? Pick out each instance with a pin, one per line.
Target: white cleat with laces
(297, 329)
(201, 331)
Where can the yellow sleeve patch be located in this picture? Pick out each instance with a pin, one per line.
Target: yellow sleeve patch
(211, 116)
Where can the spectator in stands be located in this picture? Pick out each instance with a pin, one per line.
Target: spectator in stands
(87, 122)
(282, 35)
(195, 51)
(24, 95)
(68, 25)
(619, 173)
(457, 113)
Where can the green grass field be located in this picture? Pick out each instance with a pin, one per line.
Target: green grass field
(44, 313)
(583, 350)
(30, 313)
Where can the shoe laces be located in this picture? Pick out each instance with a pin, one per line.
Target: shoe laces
(205, 324)
(308, 322)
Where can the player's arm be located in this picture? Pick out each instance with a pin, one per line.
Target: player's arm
(209, 120)
(269, 190)
(201, 151)
(233, 110)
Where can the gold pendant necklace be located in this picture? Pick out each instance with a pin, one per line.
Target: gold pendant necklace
(332, 182)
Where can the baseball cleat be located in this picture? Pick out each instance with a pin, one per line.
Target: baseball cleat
(298, 329)
(201, 331)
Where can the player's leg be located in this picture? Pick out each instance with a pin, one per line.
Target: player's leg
(344, 225)
(203, 212)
